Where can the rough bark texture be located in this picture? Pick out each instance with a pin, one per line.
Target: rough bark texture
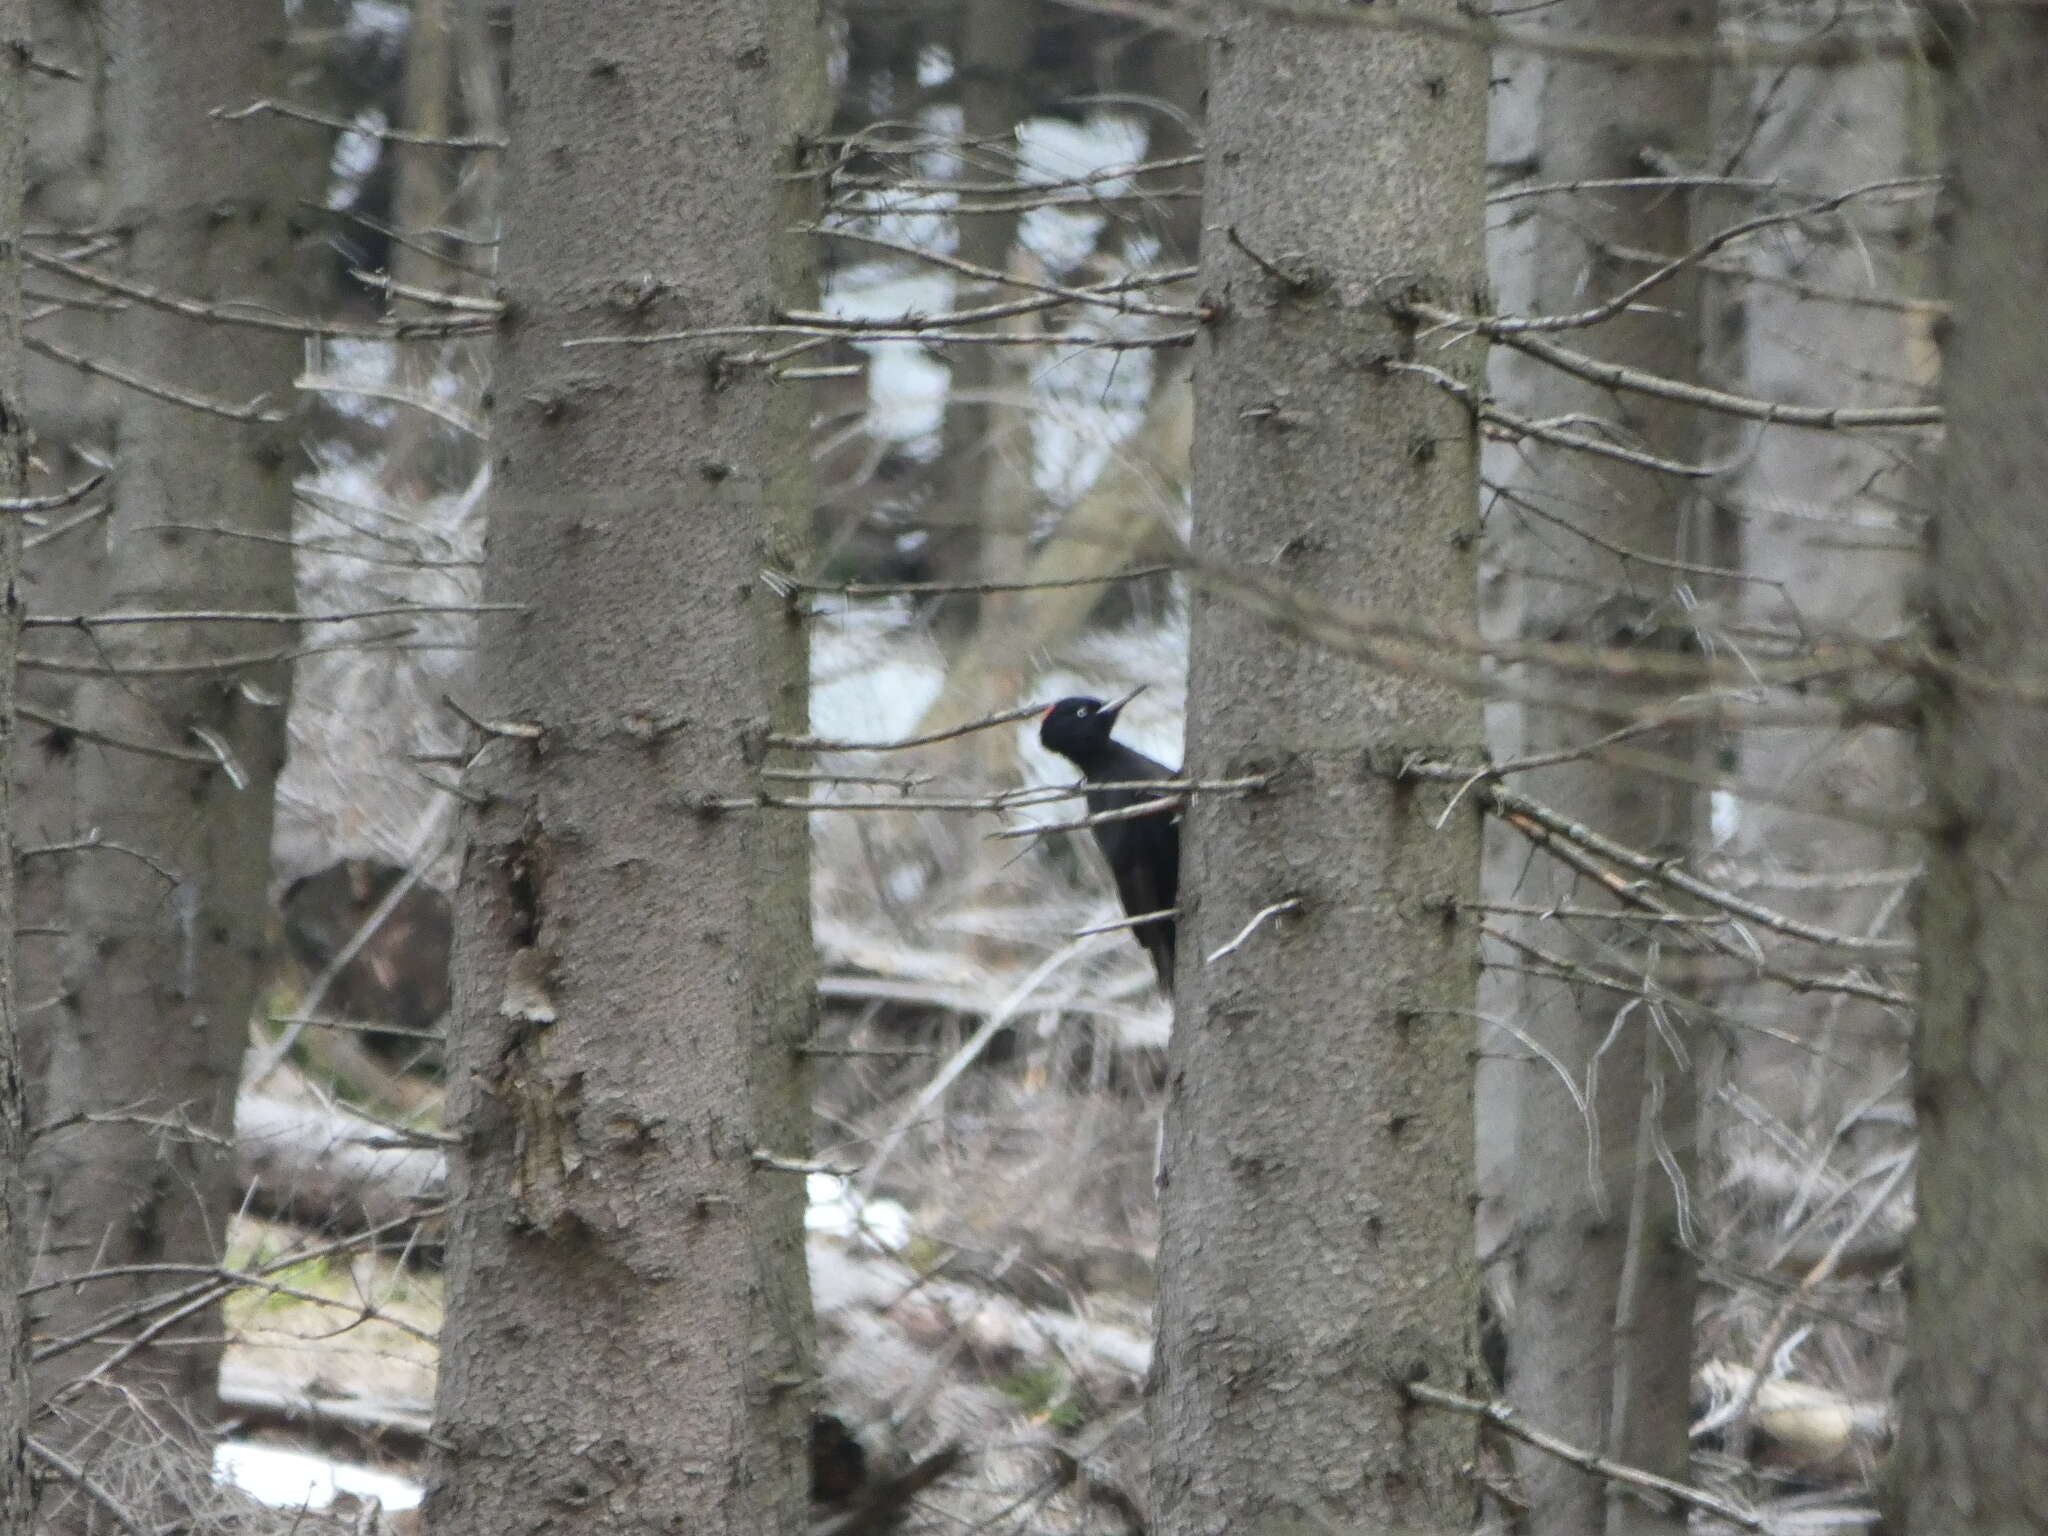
(15, 1492)
(1317, 1246)
(629, 1335)
(61, 570)
(166, 942)
(1974, 1448)
(1600, 1341)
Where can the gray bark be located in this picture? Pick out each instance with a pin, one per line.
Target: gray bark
(1317, 1246)
(1974, 1445)
(15, 1491)
(981, 513)
(420, 207)
(629, 1334)
(61, 571)
(1821, 314)
(1600, 1342)
(164, 951)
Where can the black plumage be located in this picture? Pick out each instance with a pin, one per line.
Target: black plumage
(1143, 851)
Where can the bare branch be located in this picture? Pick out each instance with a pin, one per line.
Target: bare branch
(1748, 408)
(254, 411)
(1120, 923)
(222, 314)
(265, 106)
(827, 744)
(1667, 1491)
(1507, 803)
(1513, 427)
(92, 842)
(83, 1481)
(50, 503)
(1829, 48)
(1291, 904)
(106, 739)
(1502, 327)
(786, 584)
(255, 616)
(1122, 813)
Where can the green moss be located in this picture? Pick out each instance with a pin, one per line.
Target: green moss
(1049, 1394)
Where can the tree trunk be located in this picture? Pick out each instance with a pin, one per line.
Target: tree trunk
(16, 1503)
(1824, 524)
(629, 1334)
(167, 920)
(1600, 1344)
(981, 497)
(420, 206)
(1317, 1242)
(1120, 512)
(1974, 1448)
(63, 561)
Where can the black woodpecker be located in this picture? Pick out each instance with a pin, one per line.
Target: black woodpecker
(1143, 851)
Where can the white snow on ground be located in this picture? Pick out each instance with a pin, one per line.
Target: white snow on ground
(296, 1480)
(837, 1209)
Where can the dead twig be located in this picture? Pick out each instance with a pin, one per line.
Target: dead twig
(1664, 1491)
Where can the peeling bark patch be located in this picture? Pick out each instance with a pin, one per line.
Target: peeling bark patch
(545, 1156)
(632, 1134)
(529, 988)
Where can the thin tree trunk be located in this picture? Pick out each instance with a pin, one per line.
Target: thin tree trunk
(1974, 1448)
(166, 942)
(425, 180)
(629, 1331)
(1317, 1243)
(63, 562)
(16, 1500)
(1818, 315)
(1600, 1344)
(981, 499)
(1113, 518)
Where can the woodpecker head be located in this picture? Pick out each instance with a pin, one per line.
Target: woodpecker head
(1074, 727)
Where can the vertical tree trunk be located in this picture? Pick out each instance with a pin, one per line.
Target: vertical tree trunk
(1317, 1245)
(167, 940)
(628, 1339)
(1974, 1449)
(424, 180)
(1600, 1346)
(1824, 523)
(62, 571)
(981, 502)
(15, 1500)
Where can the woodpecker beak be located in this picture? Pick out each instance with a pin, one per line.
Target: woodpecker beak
(1116, 708)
